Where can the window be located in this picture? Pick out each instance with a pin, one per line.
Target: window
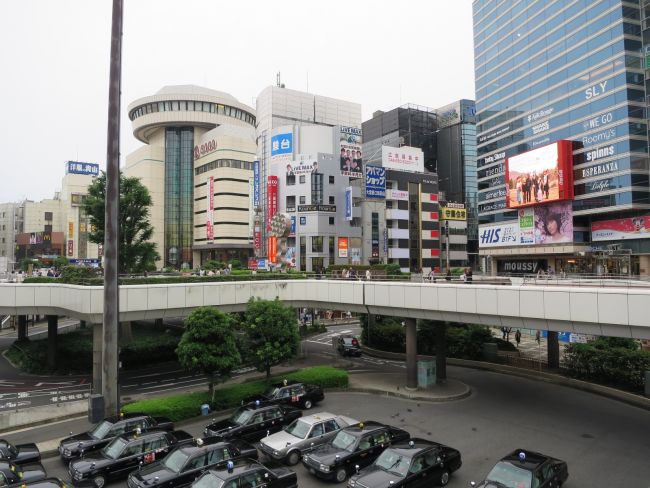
(331, 220)
(252, 480)
(331, 426)
(302, 179)
(331, 178)
(218, 455)
(365, 443)
(318, 430)
(291, 201)
(302, 199)
(317, 244)
(197, 462)
(132, 449)
(48, 216)
(331, 200)
(291, 180)
(316, 189)
(155, 443)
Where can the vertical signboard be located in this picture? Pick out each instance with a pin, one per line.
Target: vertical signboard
(209, 219)
(348, 203)
(343, 247)
(272, 199)
(526, 226)
(70, 230)
(257, 240)
(70, 247)
(282, 147)
(350, 146)
(251, 208)
(375, 182)
(273, 249)
(293, 226)
(256, 184)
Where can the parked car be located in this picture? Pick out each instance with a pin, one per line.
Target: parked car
(357, 445)
(522, 468)
(252, 422)
(46, 483)
(247, 474)
(19, 453)
(185, 463)
(418, 462)
(289, 393)
(303, 435)
(347, 345)
(16, 475)
(108, 429)
(123, 455)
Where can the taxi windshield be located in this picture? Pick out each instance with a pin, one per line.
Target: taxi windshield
(510, 475)
(395, 463)
(115, 448)
(272, 392)
(208, 480)
(298, 428)
(344, 440)
(100, 431)
(241, 416)
(175, 461)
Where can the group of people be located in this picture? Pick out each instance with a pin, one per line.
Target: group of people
(216, 272)
(467, 275)
(532, 186)
(352, 274)
(350, 160)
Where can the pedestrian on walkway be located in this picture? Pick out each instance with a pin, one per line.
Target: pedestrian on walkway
(537, 337)
(518, 337)
(448, 275)
(504, 332)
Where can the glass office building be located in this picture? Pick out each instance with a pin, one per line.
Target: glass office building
(565, 70)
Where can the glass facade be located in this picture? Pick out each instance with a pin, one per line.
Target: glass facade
(192, 106)
(553, 70)
(179, 201)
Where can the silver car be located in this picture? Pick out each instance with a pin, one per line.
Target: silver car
(302, 435)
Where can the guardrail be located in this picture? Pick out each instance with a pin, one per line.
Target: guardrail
(601, 281)
(52, 396)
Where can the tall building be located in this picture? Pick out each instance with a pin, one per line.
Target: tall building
(547, 73)
(10, 224)
(281, 111)
(197, 163)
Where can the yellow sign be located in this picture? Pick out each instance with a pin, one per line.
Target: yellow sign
(453, 213)
(70, 230)
(82, 227)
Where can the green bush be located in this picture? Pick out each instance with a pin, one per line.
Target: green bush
(152, 280)
(180, 407)
(76, 274)
(620, 367)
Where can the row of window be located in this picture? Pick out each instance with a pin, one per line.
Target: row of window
(291, 179)
(223, 163)
(192, 106)
(291, 201)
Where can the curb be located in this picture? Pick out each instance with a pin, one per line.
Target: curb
(407, 396)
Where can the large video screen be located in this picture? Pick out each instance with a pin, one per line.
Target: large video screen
(540, 176)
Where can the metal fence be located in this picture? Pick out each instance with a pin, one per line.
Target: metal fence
(52, 396)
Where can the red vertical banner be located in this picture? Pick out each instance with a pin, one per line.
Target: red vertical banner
(271, 200)
(70, 248)
(273, 249)
(257, 239)
(209, 223)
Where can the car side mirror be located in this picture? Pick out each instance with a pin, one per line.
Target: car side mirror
(140, 465)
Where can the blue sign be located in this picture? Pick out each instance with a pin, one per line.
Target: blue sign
(561, 336)
(282, 144)
(261, 264)
(375, 182)
(303, 220)
(293, 225)
(77, 168)
(348, 203)
(85, 262)
(256, 184)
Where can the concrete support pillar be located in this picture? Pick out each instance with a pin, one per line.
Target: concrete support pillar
(644, 265)
(82, 324)
(159, 323)
(411, 354)
(97, 358)
(553, 350)
(22, 328)
(441, 352)
(52, 331)
(371, 326)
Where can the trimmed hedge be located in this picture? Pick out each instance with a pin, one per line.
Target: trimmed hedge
(180, 407)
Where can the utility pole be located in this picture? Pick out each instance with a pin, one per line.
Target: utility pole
(110, 388)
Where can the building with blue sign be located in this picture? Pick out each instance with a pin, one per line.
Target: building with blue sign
(563, 71)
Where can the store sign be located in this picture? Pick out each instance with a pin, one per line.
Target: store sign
(70, 248)
(205, 148)
(85, 262)
(492, 159)
(282, 144)
(447, 213)
(271, 199)
(375, 182)
(70, 230)
(526, 226)
(630, 228)
(252, 263)
(351, 161)
(78, 168)
(521, 266)
(257, 239)
(343, 247)
(256, 184)
(316, 208)
(262, 264)
(397, 195)
(302, 167)
(599, 169)
(493, 193)
(403, 158)
(209, 218)
(499, 235)
(348, 203)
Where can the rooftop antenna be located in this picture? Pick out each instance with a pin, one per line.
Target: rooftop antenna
(279, 83)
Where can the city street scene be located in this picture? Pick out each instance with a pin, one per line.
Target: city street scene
(226, 264)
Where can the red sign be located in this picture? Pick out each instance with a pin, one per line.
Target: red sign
(252, 263)
(257, 239)
(343, 247)
(71, 248)
(209, 223)
(271, 200)
(539, 176)
(435, 234)
(630, 228)
(205, 148)
(273, 249)
(435, 253)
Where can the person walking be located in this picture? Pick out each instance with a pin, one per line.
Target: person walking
(448, 275)
(368, 275)
(518, 337)
(468, 275)
(537, 339)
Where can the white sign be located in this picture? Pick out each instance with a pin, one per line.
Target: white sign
(403, 158)
(397, 195)
(499, 235)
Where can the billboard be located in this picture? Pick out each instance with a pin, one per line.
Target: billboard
(209, 217)
(343, 247)
(302, 167)
(282, 144)
(271, 200)
(447, 213)
(499, 235)
(526, 225)
(77, 168)
(348, 203)
(350, 145)
(554, 223)
(403, 158)
(542, 175)
(375, 182)
(629, 228)
(256, 184)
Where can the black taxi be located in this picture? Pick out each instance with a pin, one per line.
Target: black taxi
(185, 463)
(105, 431)
(248, 474)
(14, 475)
(123, 455)
(526, 469)
(413, 464)
(289, 393)
(356, 445)
(253, 421)
(19, 453)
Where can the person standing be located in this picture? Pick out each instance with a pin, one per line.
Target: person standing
(468, 275)
(448, 275)
(537, 338)
(368, 275)
(518, 337)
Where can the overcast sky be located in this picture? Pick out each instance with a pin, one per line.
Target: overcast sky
(55, 62)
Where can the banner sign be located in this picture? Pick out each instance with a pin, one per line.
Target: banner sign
(302, 167)
(316, 208)
(499, 235)
(292, 232)
(70, 230)
(257, 239)
(375, 182)
(256, 184)
(252, 263)
(630, 228)
(348, 203)
(70, 248)
(397, 195)
(447, 213)
(273, 249)
(282, 144)
(209, 218)
(554, 223)
(350, 144)
(77, 168)
(271, 200)
(343, 247)
(526, 226)
(403, 158)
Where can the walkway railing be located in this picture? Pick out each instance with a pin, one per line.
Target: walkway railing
(54, 395)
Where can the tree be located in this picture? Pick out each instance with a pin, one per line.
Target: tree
(60, 262)
(208, 344)
(137, 254)
(272, 331)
